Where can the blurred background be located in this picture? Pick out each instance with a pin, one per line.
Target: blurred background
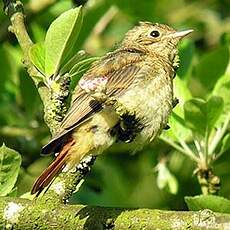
(120, 178)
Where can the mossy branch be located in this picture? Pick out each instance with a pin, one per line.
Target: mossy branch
(48, 211)
(17, 213)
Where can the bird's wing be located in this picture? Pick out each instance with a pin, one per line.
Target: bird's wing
(84, 106)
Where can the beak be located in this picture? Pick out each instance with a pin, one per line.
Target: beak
(181, 34)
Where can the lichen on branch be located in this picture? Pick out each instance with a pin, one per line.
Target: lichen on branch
(54, 97)
(49, 215)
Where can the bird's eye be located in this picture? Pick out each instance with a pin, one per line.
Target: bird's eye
(155, 34)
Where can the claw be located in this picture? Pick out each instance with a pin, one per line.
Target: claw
(175, 102)
(167, 127)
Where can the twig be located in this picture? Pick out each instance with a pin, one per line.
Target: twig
(105, 20)
(68, 182)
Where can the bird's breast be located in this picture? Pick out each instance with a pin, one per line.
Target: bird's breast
(151, 101)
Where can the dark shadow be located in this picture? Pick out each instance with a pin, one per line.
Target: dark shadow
(99, 217)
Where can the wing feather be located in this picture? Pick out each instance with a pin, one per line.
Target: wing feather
(84, 106)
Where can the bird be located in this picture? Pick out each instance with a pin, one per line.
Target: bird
(125, 96)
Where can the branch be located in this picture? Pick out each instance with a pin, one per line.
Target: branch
(53, 98)
(54, 101)
(18, 213)
(32, 8)
(67, 183)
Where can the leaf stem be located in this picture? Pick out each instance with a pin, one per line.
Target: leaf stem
(219, 135)
(206, 146)
(199, 150)
(183, 150)
(188, 150)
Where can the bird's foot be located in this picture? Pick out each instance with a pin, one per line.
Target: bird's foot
(128, 126)
(119, 108)
(175, 102)
(166, 127)
(99, 96)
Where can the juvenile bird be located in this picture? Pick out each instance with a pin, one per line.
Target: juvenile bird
(126, 96)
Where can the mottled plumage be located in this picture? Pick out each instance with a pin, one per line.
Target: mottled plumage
(126, 96)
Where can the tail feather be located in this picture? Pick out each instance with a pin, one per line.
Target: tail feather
(53, 169)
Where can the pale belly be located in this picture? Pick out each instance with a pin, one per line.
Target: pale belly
(152, 105)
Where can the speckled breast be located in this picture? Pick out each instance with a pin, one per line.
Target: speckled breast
(151, 101)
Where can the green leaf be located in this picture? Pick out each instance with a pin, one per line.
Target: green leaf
(37, 56)
(214, 109)
(214, 203)
(222, 89)
(195, 115)
(60, 39)
(165, 179)
(80, 55)
(201, 116)
(178, 129)
(219, 59)
(186, 53)
(82, 66)
(10, 162)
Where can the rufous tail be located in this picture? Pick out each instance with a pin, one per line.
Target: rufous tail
(53, 169)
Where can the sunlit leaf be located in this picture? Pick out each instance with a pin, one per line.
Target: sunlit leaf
(37, 56)
(10, 162)
(80, 55)
(200, 115)
(222, 89)
(60, 39)
(214, 203)
(214, 109)
(195, 115)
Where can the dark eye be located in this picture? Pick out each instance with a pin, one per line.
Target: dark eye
(155, 34)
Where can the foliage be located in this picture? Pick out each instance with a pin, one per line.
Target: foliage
(10, 162)
(199, 135)
(214, 203)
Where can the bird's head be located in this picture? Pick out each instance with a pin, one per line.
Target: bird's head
(155, 38)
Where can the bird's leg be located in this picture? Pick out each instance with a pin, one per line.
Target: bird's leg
(119, 108)
(166, 127)
(99, 96)
(128, 126)
(175, 102)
